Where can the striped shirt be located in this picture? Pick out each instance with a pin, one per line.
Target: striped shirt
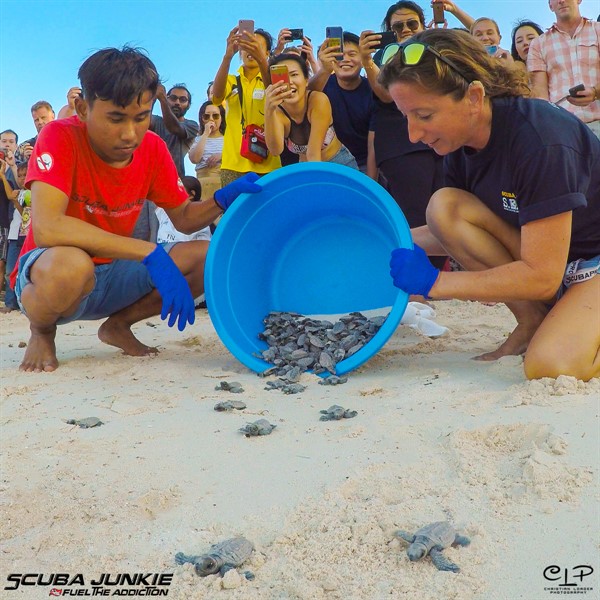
(569, 61)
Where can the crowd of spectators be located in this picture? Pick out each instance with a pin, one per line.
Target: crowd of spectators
(331, 108)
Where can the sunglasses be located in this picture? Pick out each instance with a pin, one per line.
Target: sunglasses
(208, 116)
(174, 98)
(411, 24)
(412, 53)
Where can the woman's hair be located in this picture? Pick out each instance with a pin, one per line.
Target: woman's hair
(404, 4)
(120, 76)
(203, 109)
(477, 21)
(468, 55)
(275, 60)
(513, 35)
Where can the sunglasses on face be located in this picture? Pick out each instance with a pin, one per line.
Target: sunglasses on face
(412, 53)
(174, 98)
(208, 116)
(411, 24)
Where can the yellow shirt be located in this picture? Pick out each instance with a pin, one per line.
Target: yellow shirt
(254, 113)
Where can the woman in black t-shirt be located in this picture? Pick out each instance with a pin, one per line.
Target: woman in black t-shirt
(521, 212)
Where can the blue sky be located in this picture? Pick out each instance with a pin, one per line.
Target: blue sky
(45, 41)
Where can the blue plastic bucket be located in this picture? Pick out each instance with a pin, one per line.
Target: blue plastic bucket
(317, 241)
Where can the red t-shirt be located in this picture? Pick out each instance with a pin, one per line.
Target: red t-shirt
(99, 194)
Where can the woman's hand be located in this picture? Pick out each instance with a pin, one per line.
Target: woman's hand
(275, 94)
(214, 160)
(309, 53)
(504, 55)
(209, 128)
(369, 40)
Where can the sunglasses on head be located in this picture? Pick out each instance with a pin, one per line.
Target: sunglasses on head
(174, 98)
(208, 116)
(411, 24)
(412, 53)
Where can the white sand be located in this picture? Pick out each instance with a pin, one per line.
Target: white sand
(513, 463)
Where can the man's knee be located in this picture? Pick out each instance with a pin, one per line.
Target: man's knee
(65, 270)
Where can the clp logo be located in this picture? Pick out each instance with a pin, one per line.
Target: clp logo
(55, 592)
(556, 573)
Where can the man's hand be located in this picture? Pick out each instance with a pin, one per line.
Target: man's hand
(249, 43)
(412, 272)
(225, 197)
(172, 286)
(25, 150)
(327, 56)
(586, 96)
(284, 36)
(232, 45)
(72, 95)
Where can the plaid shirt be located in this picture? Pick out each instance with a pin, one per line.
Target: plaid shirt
(569, 61)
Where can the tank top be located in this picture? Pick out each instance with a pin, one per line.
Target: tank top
(297, 140)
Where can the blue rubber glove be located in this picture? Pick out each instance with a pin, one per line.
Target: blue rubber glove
(172, 286)
(412, 271)
(244, 185)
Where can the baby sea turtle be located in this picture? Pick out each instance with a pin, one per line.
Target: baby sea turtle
(432, 539)
(229, 405)
(333, 380)
(336, 412)
(260, 427)
(221, 557)
(230, 386)
(85, 423)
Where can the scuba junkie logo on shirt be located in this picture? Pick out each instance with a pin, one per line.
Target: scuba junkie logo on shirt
(509, 202)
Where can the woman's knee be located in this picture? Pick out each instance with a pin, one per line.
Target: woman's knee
(446, 205)
(552, 361)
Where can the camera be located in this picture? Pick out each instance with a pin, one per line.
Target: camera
(296, 34)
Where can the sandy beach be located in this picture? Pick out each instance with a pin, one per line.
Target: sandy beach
(513, 464)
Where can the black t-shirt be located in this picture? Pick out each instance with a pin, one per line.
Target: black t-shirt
(352, 114)
(540, 161)
(5, 202)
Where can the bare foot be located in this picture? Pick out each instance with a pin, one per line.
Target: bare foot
(514, 345)
(41, 352)
(116, 333)
(6, 309)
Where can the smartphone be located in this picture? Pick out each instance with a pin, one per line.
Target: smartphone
(387, 38)
(2, 155)
(576, 88)
(491, 50)
(279, 73)
(335, 35)
(246, 25)
(296, 34)
(438, 13)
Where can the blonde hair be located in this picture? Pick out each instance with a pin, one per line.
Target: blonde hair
(477, 21)
(468, 55)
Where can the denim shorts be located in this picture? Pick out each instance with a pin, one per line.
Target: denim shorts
(579, 271)
(344, 157)
(118, 285)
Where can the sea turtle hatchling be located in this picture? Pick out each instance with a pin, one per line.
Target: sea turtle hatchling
(230, 386)
(85, 423)
(432, 539)
(337, 412)
(221, 557)
(260, 427)
(229, 405)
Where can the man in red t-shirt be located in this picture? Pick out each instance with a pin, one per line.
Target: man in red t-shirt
(89, 175)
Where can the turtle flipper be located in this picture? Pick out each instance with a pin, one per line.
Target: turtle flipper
(181, 558)
(461, 540)
(407, 537)
(441, 562)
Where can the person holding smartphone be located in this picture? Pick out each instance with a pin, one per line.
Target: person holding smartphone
(300, 119)
(486, 31)
(244, 94)
(520, 206)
